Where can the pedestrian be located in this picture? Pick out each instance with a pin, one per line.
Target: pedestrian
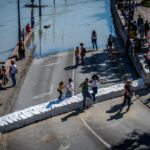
(21, 50)
(32, 21)
(13, 71)
(70, 88)
(85, 91)
(142, 31)
(1, 77)
(128, 93)
(28, 28)
(94, 39)
(139, 22)
(23, 34)
(60, 89)
(82, 52)
(77, 55)
(146, 27)
(5, 78)
(134, 25)
(110, 44)
(94, 84)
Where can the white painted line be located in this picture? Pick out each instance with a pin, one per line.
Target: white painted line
(95, 134)
(44, 94)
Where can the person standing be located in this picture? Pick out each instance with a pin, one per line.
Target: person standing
(85, 91)
(32, 21)
(77, 56)
(21, 50)
(13, 71)
(23, 34)
(94, 39)
(70, 88)
(60, 89)
(139, 22)
(82, 53)
(5, 78)
(28, 28)
(146, 27)
(142, 31)
(128, 93)
(94, 84)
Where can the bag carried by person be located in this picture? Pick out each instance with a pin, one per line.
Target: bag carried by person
(14, 70)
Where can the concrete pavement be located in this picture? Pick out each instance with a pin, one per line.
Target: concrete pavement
(98, 127)
(42, 80)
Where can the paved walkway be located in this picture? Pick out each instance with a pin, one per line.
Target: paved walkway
(7, 96)
(145, 13)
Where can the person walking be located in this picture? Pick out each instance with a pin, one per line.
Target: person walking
(13, 71)
(94, 39)
(70, 88)
(128, 93)
(82, 53)
(94, 84)
(60, 89)
(85, 91)
(77, 56)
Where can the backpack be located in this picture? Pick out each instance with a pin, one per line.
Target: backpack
(13, 70)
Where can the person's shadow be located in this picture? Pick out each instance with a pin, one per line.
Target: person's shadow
(72, 114)
(118, 109)
(75, 113)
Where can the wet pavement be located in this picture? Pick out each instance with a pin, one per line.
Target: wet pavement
(71, 23)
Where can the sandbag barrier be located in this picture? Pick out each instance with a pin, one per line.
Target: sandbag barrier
(46, 110)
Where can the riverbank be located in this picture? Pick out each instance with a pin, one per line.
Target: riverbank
(8, 95)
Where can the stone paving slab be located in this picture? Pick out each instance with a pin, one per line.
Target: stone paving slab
(46, 110)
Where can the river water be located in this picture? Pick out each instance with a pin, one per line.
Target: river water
(72, 22)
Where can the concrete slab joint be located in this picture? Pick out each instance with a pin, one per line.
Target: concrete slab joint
(49, 109)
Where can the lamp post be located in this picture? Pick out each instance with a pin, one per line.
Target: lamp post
(40, 10)
(32, 3)
(128, 29)
(19, 22)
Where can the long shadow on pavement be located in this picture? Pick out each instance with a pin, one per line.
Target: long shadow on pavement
(118, 109)
(138, 139)
(74, 113)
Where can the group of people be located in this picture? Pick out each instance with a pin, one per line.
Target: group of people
(80, 54)
(68, 88)
(139, 28)
(21, 47)
(5, 75)
(11, 72)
